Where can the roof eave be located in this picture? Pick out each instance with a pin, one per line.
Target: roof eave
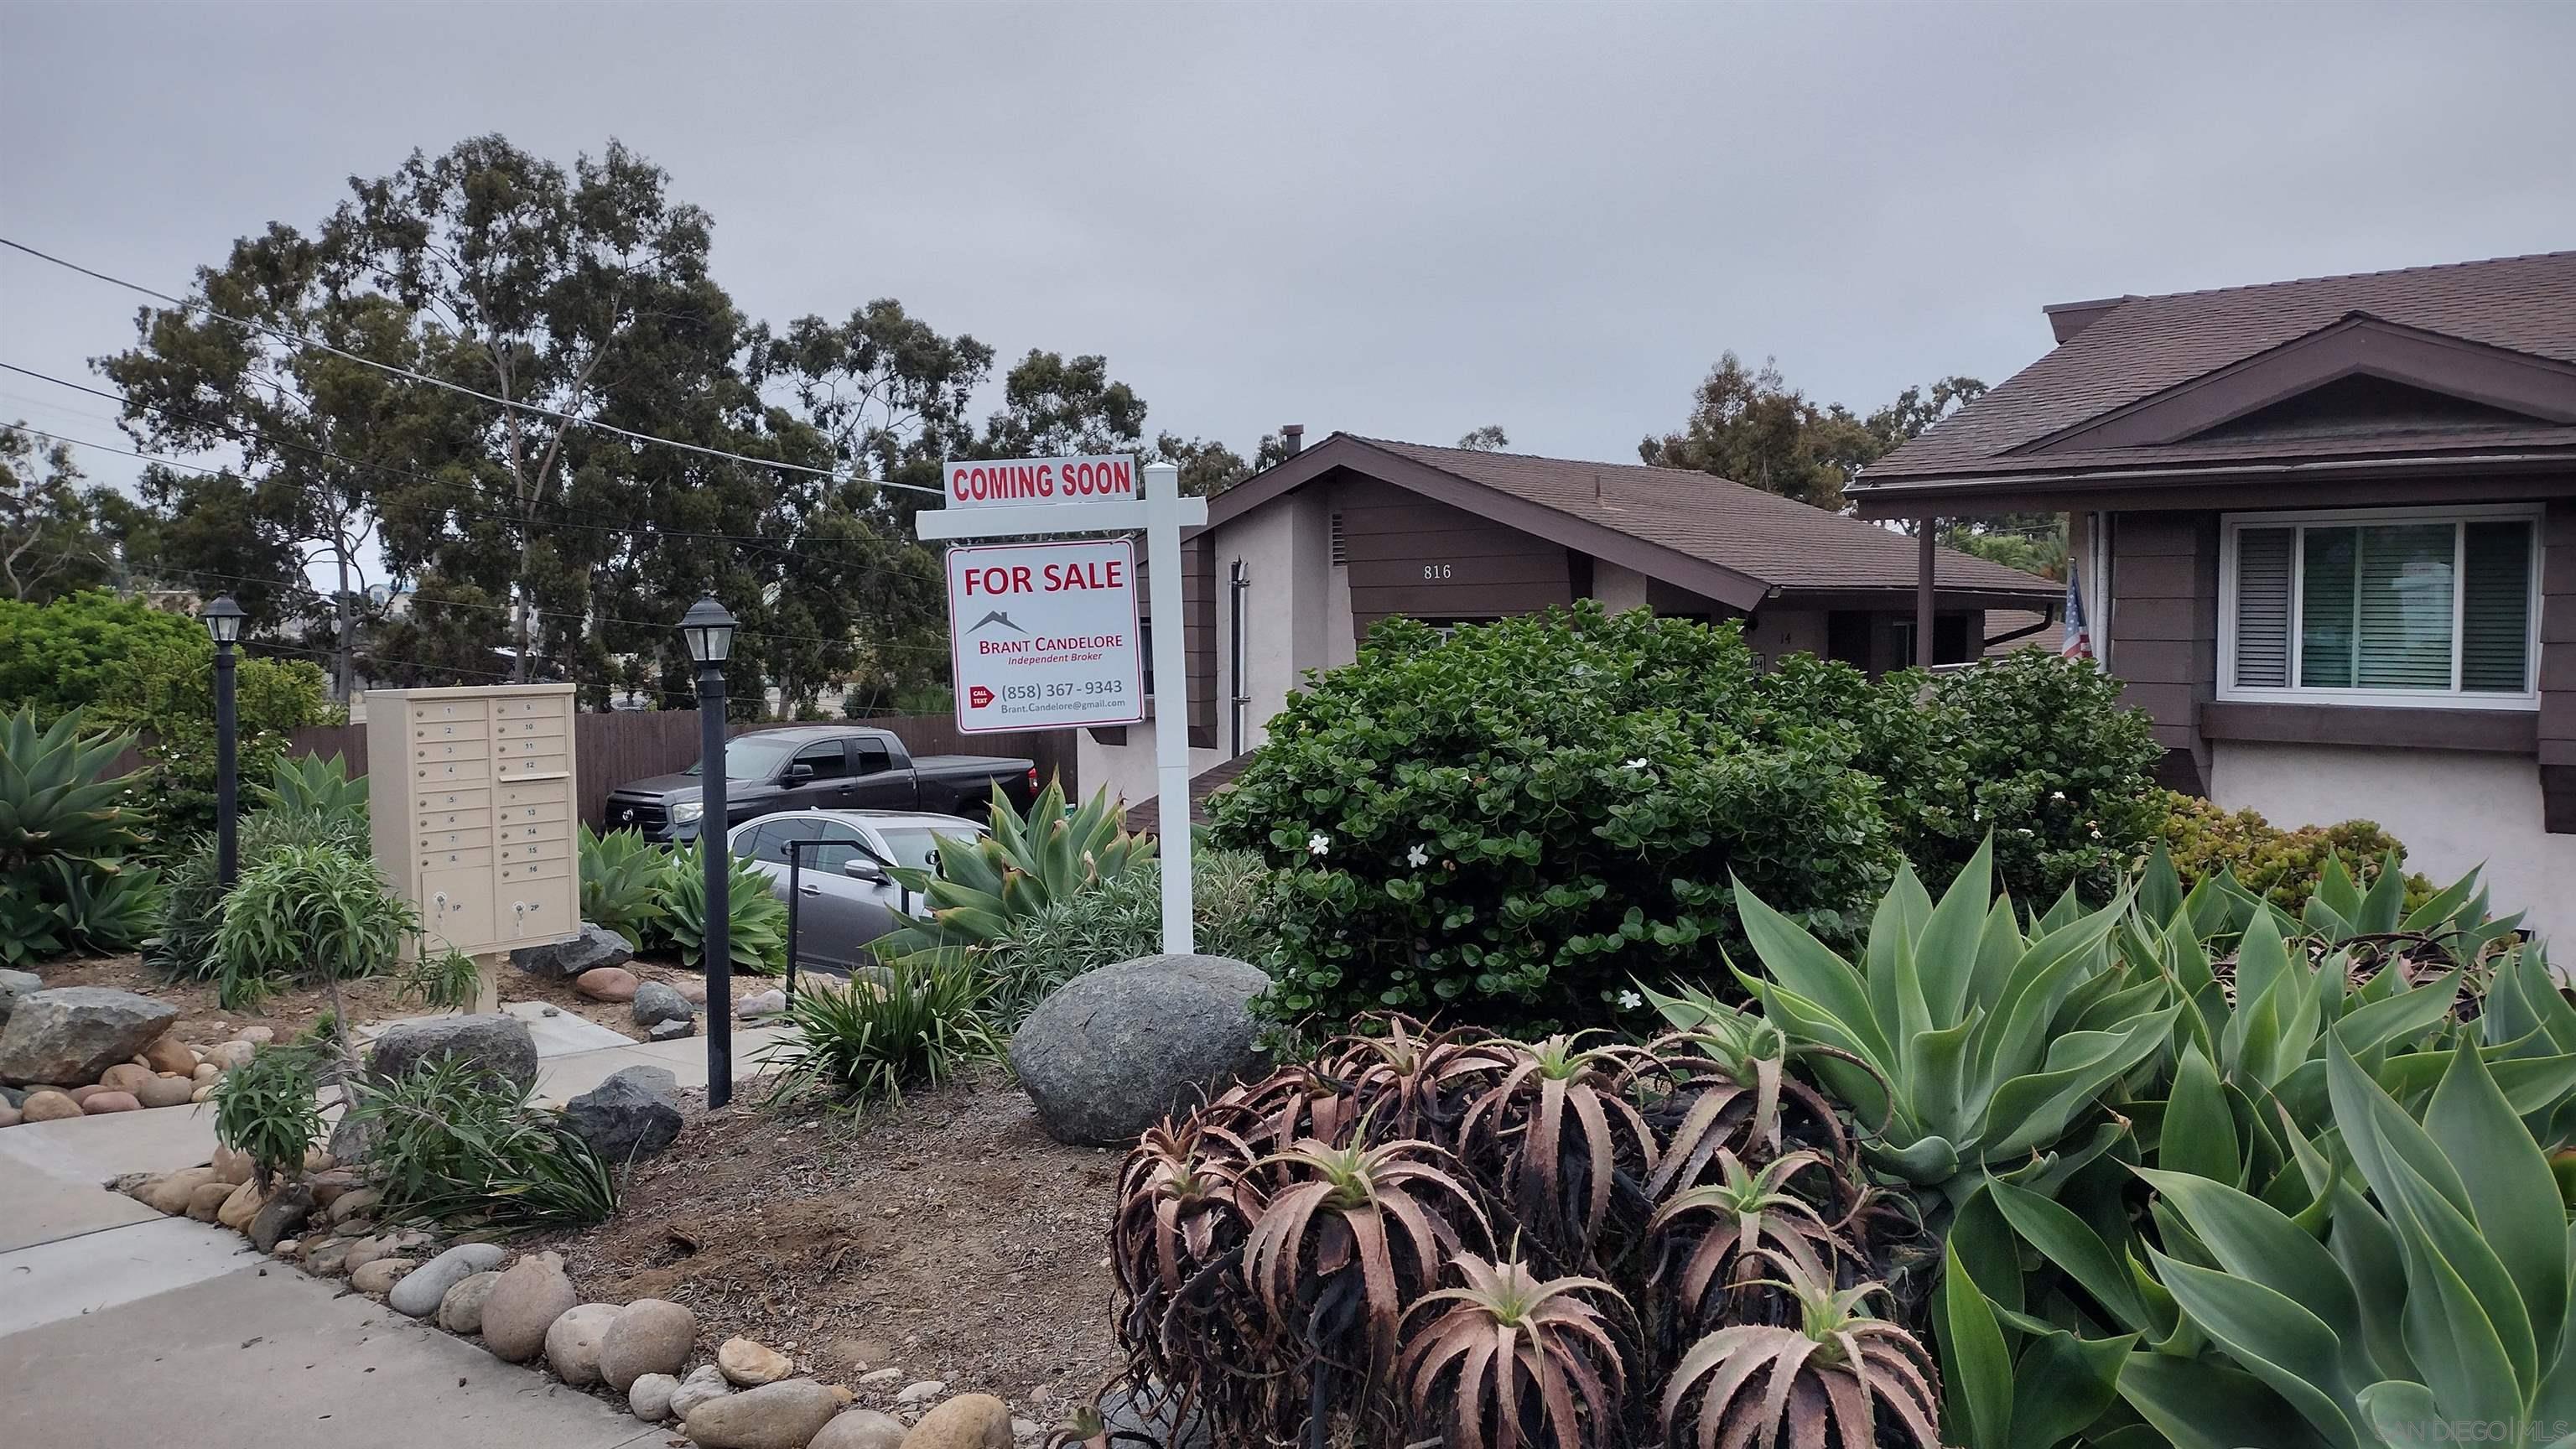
(1918, 497)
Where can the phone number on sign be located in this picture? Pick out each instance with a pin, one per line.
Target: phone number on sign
(1088, 687)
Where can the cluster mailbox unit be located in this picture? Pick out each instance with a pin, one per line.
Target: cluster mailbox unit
(470, 792)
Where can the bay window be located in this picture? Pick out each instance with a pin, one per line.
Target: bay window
(2381, 607)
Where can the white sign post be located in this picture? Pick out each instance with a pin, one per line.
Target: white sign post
(1064, 597)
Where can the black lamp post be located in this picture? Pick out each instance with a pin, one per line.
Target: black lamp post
(224, 621)
(709, 630)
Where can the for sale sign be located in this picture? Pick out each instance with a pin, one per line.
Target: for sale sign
(1044, 635)
(990, 483)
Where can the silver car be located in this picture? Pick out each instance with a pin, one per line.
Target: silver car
(844, 897)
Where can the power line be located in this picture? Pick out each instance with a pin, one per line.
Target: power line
(440, 382)
(240, 432)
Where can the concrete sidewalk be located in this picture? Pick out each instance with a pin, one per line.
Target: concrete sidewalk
(120, 1327)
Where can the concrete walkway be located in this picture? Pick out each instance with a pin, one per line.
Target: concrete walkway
(121, 1327)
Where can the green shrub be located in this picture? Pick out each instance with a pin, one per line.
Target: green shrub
(453, 1144)
(756, 921)
(624, 879)
(65, 880)
(73, 650)
(309, 912)
(268, 1108)
(1121, 919)
(2281, 866)
(192, 904)
(1506, 825)
(915, 1022)
(2029, 748)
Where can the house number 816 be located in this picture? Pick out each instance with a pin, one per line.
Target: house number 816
(1435, 571)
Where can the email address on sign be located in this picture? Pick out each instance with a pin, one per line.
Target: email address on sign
(1061, 706)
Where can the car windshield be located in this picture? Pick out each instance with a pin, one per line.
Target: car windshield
(916, 846)
(755, 757)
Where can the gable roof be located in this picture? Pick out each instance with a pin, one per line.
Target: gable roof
(2125, 352)
(1695, 530)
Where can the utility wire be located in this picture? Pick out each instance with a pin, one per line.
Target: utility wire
(572, 418)
(240, 432)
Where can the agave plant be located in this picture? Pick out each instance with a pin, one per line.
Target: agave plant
(309, 784)
(1518, 1360)
(108, 905)
(624, 878)
(756, 921)
(56, 799)
(982, 887)
(1980, 1048)
(1840, 1379)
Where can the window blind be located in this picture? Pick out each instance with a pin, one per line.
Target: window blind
(2404, 581)
(2263, 606)
(2495, 607)
(2328, 599)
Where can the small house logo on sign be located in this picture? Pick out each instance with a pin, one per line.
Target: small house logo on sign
(1045, 635)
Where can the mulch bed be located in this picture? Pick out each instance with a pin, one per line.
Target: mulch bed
(949, 1237)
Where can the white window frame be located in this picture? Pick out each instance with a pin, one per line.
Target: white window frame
(2233, 523)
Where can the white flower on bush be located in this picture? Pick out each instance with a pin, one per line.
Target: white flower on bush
(1318, 843)
(2056, 794)
(1630, 1001)
(1638, 763)
(1417, 857)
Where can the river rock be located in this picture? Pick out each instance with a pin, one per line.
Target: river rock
(48, 1106)
(15, 986)
(860, 1429)
(968, 1421)
(751, 1363)
(634, 1114)
(656, 1003)
(596, 947)
(400, 1243)
(328, 1258)
(1154, 1416)
(704, 1382)
(230, 1165)
(166, 1092)
(498, 1044)
(921, 1392)
(420, 1294)
(1115, 1050)
(126, 1077)
(672, 1030)
(226, 1055)
(607, 983)
(170, 1194)
(573, 1339)
(649, 1336)
(783, 1415)
(241, 1206)
(354, 1203)
(209, 1199)
(74, 1033)
(381, 1276)
(279, 1217)
(649, 1397)
(169, 1054)
(531, 1295)
(461, 1311)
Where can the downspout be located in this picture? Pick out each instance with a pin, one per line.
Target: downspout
(1923, 555)
(1238, 581)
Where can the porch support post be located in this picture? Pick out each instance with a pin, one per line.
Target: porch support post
(1923, 593)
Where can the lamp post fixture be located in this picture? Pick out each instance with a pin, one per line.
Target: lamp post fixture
(709, 631)
(224, 622)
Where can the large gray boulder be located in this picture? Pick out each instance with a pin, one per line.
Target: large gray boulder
(68, 1035)
(15, 984)
(1114, 1050)
(634, 1114)
(499, 1044)
(596, 946)
(656, 1003)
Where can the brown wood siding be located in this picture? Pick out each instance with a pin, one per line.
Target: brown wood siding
(1492, 569)
(1198, 610)
(2164, 629)
(612, 748)
(2557, 724)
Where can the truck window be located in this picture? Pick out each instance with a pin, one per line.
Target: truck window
(871, 756)
(826, 760)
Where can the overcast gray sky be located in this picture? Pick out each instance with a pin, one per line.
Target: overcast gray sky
(1401, 220)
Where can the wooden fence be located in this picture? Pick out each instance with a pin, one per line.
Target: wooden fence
(613, 748)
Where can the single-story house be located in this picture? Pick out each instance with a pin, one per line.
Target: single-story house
(2326, 531)
(1297, 563)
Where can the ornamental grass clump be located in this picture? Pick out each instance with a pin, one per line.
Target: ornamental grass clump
(1422, 1236)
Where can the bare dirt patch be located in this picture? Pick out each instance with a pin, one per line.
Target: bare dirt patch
(949, 1237)
(203, 1019)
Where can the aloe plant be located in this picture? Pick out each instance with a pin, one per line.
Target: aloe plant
(1534, 1359)
(982, 888)
(1980, 1048)
(1839, 1379)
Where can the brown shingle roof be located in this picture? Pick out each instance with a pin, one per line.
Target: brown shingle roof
(1780, 541)
(2146, 345)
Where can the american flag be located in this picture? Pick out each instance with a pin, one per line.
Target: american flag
(2079, 641)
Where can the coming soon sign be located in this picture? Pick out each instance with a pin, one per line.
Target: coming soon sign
(1045, 635)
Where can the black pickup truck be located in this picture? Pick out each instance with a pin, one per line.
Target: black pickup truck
(821, 767)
